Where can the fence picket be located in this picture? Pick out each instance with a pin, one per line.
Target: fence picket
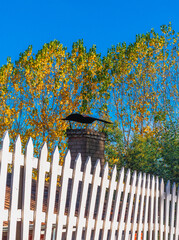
(95, 183)
(124, 203)
(167, 204)
(27, 213)
(177, 217)
(162, 197)
(5, 158)
(66, 174)
(114, 222)
(104, 185)
(87, 178)
(39, 215)
(112, 188)
(55, 170)
(146, 209)
(141, 207)
(156, 209)
(132, 192)
(77, 176)
(14, 213)
(136, 206)
(172, 216)
(151, 212)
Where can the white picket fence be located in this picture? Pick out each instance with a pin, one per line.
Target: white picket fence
(134, 207)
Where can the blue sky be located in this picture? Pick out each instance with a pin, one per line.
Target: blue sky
(103, 23)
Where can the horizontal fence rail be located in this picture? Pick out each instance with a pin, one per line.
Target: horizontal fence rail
(84, 205)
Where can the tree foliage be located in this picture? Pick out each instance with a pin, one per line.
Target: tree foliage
(135, 85)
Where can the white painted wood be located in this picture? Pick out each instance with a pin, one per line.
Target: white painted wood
(95, 183)
(129, 213)
(87, 179)
(18, 161)
(162, 197)
(146, 209)
(29, 164)
(172, 212)
(160, 223)
(39, 216)
(124, 204)
(104, 185)
(114, 222)
(112, 188)
(156, 230)
(55, 171)
(141, 209)
(167, 204)
(136, 206)
(151, 211)
(66, 174)
(5, 159)
(177, 216)
(77, 176)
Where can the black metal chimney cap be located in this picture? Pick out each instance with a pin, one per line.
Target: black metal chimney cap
(76, 117)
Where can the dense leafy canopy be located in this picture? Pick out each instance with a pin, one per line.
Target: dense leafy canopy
(135, 86)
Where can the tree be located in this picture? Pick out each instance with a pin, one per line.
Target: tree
(48, 86)
(135, 85)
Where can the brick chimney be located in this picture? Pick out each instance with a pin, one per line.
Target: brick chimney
(88, 142)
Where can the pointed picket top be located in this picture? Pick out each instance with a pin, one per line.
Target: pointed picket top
(78, 160)
(128, 174)
(114, 170)
(5, 141)
(43, 150)
(55, 158)
(87, 164)
(140, 175)
(29, 145)
(17, 142)
(121, 173)
(168, 186)
(106, 169)
(161, 181)
(97, 166)
(134, 176)
(114, 173)
(13, 211)
(148, 178)
(67, 159)
(17, 149)
(55, 154)
(174, 187)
